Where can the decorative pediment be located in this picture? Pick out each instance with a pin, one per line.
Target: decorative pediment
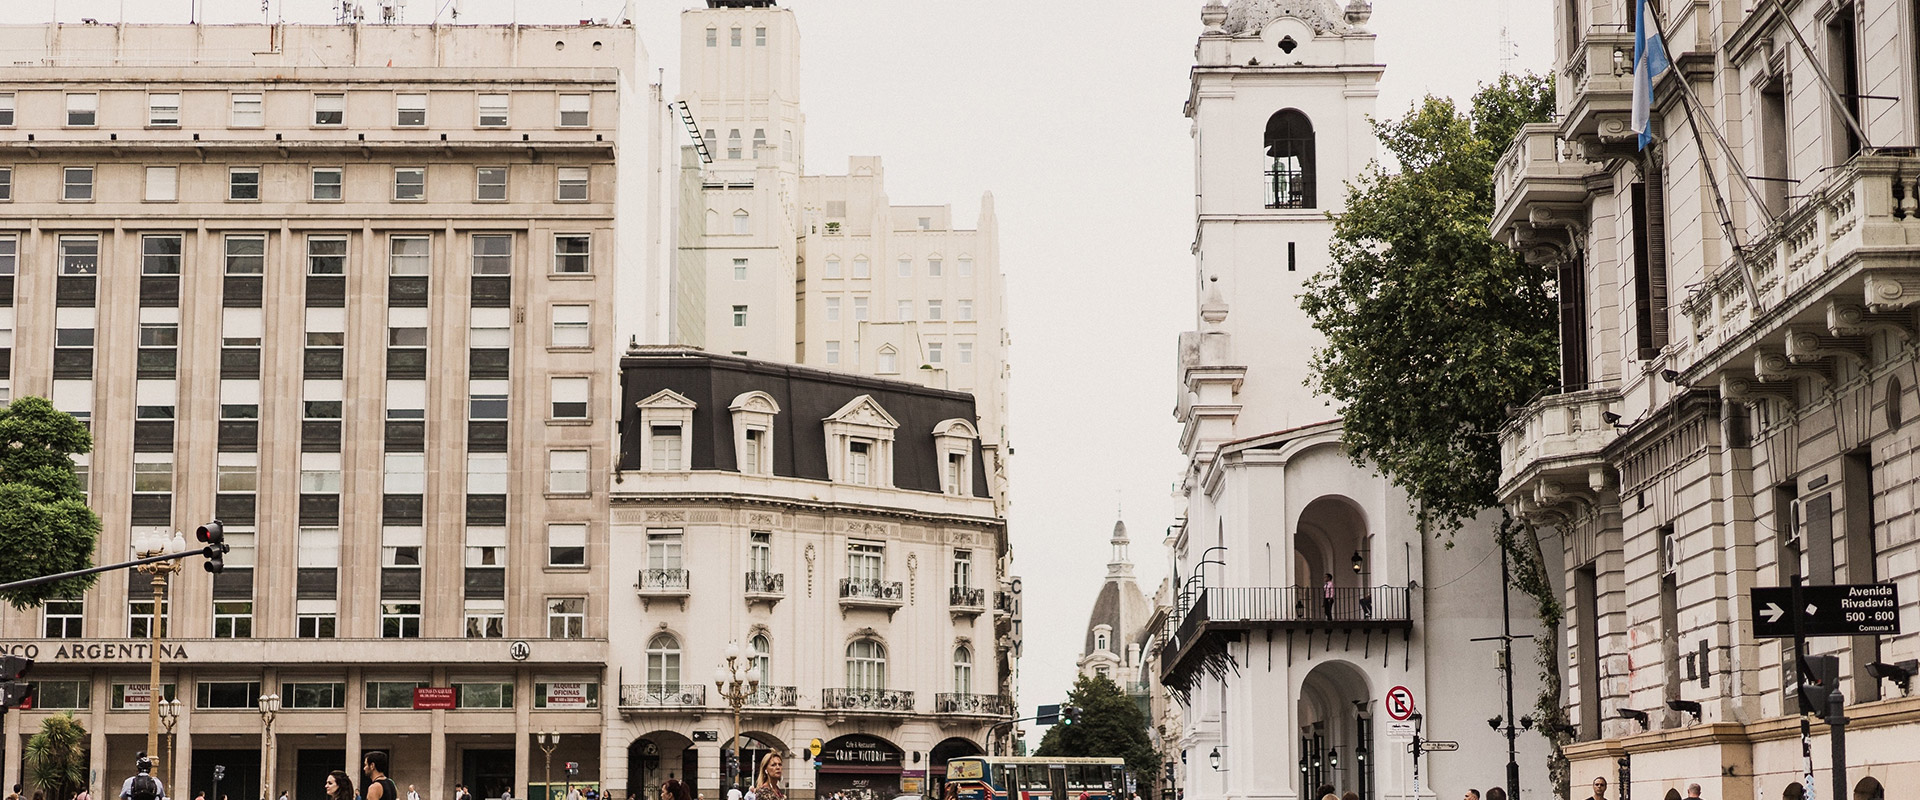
(956, 427)
(865, 411)
(755, 401)
(667, 398)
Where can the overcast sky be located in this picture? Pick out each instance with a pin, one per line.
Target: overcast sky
(1069, 112)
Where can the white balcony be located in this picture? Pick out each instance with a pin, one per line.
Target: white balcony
(1550, 452)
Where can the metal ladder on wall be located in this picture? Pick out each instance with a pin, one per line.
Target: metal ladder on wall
(693, 130)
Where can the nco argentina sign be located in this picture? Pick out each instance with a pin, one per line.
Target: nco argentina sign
(97, 651)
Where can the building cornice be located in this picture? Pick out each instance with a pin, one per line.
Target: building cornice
(619, 500)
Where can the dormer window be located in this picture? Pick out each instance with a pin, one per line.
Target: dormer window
(753, 414)
(666, 419)
(860, 443)
(1102, 640)
(954, 441)
(889, 361)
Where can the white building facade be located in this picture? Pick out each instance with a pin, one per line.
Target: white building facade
(1303, 589)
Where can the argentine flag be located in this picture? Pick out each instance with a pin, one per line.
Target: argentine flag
(1649, 60)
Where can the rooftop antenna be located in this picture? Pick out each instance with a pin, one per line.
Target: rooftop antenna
(1508, 50)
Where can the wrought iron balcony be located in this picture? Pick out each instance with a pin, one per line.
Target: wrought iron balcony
(872, 701)
(659, 697)
(1216, 614)
(769, 586)
(1003, 603)
(661, 583)
(1550, 450)
(866, 593)
(965, 602)
(983, 705)
(774, 697)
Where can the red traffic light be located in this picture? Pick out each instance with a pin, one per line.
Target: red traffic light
(210, 533)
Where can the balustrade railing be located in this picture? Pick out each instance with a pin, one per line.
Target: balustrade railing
(766, 583)
(971, 598)
(658, 579)
(654, 695)
(866, 699)
(871, 589)
(998, 705)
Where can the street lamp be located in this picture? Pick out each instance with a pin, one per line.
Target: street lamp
(736, 681)
(148, 546)
(269, 708)
(169, 716)
(549, 740)
(1213, 758)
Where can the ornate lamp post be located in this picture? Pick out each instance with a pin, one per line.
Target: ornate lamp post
(269, 708)
(169, 716)
(549, 741)
(736, 681)
(147, 547)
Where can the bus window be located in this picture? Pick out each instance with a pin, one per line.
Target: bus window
(1033, 778)
(1077, 778)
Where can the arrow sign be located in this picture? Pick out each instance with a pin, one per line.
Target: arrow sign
(1439, 746)
(1861, 609)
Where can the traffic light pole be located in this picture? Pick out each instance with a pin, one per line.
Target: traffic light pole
(1800, 667)
(210, 551)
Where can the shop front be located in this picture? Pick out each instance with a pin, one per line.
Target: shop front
(859, 767)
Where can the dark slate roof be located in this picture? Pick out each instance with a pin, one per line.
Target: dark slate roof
(1123, 609)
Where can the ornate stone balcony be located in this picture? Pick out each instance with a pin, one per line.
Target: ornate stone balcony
(1539, 194)
(1598, 102)
(887, 596)
(1550, 450)
(645, 698)
(1839, 266)
(972, 705)
(867, 702)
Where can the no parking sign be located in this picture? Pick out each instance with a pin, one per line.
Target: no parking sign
(1400, 703)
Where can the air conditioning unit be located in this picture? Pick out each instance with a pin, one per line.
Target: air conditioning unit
(1669, 554)
(1794, 522)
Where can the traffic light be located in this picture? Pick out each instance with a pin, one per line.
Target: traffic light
(215, 538)
(1068, 714)
(1819, 676)
(14, 691)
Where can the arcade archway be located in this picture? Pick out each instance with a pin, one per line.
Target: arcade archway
(660, 756)
(1336, 748)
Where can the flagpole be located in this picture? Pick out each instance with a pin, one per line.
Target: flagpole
(1847, 110)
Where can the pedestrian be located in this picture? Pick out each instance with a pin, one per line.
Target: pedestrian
(507, 793)
(339, 785)
(412, 793)
(142, 786)
(1472, 794)
(200, 795)
(283, 794)
(1496, 793)
(1693, 791)
(379, 785)
(39, 795)
(15, 794)
(85, 794)
(1600, 788)
(1350, 795)
(733, 792)
(1327, 602)
(768, 787)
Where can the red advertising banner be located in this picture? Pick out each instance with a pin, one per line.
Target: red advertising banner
(430, 698)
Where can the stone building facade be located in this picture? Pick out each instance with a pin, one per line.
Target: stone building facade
(1738, 381)
(349, 289)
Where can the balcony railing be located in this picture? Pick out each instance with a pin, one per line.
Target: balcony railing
(863, 589)
(986, 705)
(970, 598)
(766, 583)
(878, 700)
(1219, 610)
(1557, 438)
(1003, 602)
(658, 697)
(774, 697)
(662, 581)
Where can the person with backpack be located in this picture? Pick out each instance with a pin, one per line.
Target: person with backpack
(142, 786)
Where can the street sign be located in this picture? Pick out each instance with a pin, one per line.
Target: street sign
(1400, 703)
(1861, 609)
(1398, 731)
(1439, 746)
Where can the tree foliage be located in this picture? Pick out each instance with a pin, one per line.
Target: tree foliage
(1432, 327)
(45, 524)
(1110, 724)
(56, 757)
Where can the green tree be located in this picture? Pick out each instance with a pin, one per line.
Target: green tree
(1110, 724)
(1435, 329)
(56, 757)
(45, 524)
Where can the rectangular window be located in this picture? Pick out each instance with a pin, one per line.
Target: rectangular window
(6, 184)
(567, 472)
(140, 618)
(63, 619)
(77, 185)
(6, 110)
(964, 311)
(243, 183)
(406, 400)
(313, 695)
(739, 316)
(666, 446)
(860, 309)
(486, 546)
(934, 311)
(409, 184)
(733, 37)
(833, 309)
(933, 268)
(489, 328)
(400, 544)
(486, 473)
(490, 184)
(572, 326)
(572, 184)
(243, 546)
(833, 267)
(575, 110)
(962, 568)
(83, 110)
(160, 254)
(566, 617)
(493, 254)
(163, 110)
(156, 399)
(966, 352)
(409, 255)
(859, 461)
(410, 110)
(405, 473)
(319, 473)
(399, 620)
(392, 694)
(906, 267)
(9, 254)
(328, 183)
(739, 269)
(750, 450)
(326, 255)
(862, 268)
(487, 399)
(567, 544)
(320, 399)
(73, 327)
(934, 353)
(966, 268)
(329, 109)
(153, 472)
(833, 352)
(249, 110)
(314, 619)
(904, 310)
(232, 619)
(66, 695)
(664, 549)
(570, 397)
(713, 37)
(240, 399)
(572, 253)
(237, 472)
(760, 36)
(162, 185)
(484, 695)
(866, 561)
(1649, 265)
(486, 619)
(246, 254)
(493, 110)
(227, 694)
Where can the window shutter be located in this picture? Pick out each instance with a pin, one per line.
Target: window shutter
(1657, 251)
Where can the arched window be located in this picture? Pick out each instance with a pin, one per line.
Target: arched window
(663, 664)
(742, 222)
(962, 670)
(866, 665)
(1289, 160)
(762, 658)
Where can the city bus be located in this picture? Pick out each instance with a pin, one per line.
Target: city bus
(1031, 778)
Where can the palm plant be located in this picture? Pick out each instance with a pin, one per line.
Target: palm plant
(56, 757)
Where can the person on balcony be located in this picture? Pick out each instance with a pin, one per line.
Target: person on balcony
(1327, 601)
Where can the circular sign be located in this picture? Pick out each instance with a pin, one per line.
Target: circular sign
(1400, 703)
(519, 651)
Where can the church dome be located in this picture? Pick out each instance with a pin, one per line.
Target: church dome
(1250, 17)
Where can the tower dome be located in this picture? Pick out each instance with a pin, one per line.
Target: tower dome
(1249, 17)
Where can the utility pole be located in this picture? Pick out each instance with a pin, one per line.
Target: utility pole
(1513, 725)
